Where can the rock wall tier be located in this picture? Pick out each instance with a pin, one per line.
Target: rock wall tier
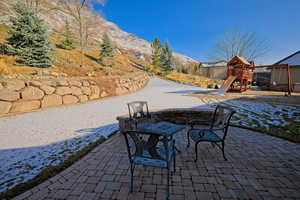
(17, 96)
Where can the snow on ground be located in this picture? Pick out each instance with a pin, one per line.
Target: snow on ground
(20, 165)
(258, 114)
(31, 141)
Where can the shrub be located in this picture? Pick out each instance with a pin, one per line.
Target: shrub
(29, 38)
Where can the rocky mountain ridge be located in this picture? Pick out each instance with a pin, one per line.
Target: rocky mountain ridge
(54, 14)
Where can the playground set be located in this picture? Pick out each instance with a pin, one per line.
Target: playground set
(240, 75)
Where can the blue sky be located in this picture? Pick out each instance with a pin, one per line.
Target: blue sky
(193, 26)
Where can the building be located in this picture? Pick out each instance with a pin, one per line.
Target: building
(213, 70)
(279, 75)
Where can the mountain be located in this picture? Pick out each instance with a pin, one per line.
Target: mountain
(55, 13)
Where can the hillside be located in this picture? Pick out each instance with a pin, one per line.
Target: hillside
(67, 62)
(54, 13)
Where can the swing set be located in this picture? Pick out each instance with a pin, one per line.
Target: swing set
(240, 75)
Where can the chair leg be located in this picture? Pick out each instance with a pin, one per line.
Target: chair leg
(188, 137)
(131, 181)
(213, 144)
(174, 163)
(196, 151)
(168, 183)
(223, 150)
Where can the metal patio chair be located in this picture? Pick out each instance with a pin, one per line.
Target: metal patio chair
(144, 149)
(138, 112)
(216, 132)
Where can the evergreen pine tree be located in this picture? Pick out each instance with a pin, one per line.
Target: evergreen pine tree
(29, 39)
(68, 42)
(106, 53)
(156, 52)
(167, 59)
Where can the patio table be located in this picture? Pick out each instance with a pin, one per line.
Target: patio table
(159, 129)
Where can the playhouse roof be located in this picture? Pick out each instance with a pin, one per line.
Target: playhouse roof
(238, 60)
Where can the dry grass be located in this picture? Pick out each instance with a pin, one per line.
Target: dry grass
(190, 79)
(67, 61)
(3, 32)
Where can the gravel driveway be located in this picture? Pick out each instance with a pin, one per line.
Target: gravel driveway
(31, 141)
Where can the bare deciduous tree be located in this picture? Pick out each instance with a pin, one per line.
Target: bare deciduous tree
(79, 10)
(234, 43)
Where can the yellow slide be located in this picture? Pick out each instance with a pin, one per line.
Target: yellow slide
(225, 86)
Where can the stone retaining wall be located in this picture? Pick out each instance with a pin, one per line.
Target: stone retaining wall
(18, 96)
(176, 115)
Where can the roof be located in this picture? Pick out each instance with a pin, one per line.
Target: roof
(238, 60)
(293, 59)
(214, 64)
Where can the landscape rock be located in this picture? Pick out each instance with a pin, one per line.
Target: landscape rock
(62, 83)
(54, 74)
(32, 93)
(103, 94)
(95, 92)
(83, 98)
(9, 95)
(92, 82)
(47, 89)
(48, 82)
(51, 100)
(14, 85)
(86, 91)
(85, 83)
(35, 83)
(76, 91)
(75, 83)
(63, 91)
(69, 99)
(5, 107)
(25, 106)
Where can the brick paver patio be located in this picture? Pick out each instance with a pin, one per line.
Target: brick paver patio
(258, 167)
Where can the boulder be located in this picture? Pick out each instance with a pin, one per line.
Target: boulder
(85, 83)
(92, 82)
(51, 100)
(49, 83)
(47, 89)
(8, 95)
(95, 92)
(76, 91)
(54, 74)
(25, 106)
(83, 98)
(103, 94)
(86, 91)
(69, 99)
(14, 85)
(32, 93)
(5, 107)
(35, 83)
(63, 91)
(62, 83)
(75, 83)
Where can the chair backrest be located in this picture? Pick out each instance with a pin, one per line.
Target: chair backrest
(221, 118)
(138, 109)
(139, 142)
